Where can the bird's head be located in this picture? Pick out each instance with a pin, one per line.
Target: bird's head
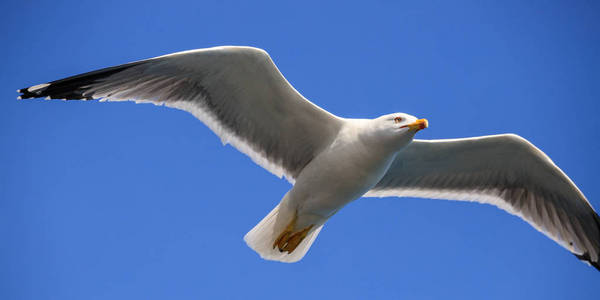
(398, 129)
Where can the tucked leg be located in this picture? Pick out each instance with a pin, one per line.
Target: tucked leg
(288, 240)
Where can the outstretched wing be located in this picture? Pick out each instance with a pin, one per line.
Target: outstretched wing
(506, 171)
(238, 92)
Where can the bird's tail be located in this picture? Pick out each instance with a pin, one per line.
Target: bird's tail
(264, 234)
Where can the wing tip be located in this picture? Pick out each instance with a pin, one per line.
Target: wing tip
(34, 91)
(587, 259)
(596, 265)
(48, 91)
(74, 87)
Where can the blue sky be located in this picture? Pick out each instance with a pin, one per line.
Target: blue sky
(125, 201)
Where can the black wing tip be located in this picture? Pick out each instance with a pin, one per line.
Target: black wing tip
(50, 92)
(587, 259)
(27, 94)
(74, 87)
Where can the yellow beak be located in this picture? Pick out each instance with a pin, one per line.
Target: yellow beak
(417, 125)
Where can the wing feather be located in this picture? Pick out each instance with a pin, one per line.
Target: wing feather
(238, 92)
(503, 170)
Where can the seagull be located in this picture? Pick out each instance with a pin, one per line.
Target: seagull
(239, 93)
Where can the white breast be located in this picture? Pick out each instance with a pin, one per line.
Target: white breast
(340, 174)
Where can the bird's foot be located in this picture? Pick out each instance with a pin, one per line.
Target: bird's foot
(288, 240)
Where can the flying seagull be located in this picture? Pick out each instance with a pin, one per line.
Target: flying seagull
(239, 93)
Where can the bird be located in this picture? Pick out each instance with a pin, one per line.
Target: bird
(240, 94)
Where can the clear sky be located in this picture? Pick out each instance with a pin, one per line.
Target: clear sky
(126, 201)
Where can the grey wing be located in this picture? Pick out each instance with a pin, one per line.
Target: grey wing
(238, 92)
(503, 170)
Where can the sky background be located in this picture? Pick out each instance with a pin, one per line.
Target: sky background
(126, 201)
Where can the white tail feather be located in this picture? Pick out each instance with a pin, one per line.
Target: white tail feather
(262, 236)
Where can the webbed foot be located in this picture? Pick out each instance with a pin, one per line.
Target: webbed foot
(288, 240)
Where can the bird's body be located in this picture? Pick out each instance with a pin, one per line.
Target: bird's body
(239, 93)
(345, 170)
(326, 183)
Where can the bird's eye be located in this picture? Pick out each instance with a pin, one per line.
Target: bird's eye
(397, 119)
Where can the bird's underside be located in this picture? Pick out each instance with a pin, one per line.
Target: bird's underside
(239, 93)
(289, 239)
